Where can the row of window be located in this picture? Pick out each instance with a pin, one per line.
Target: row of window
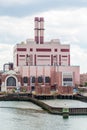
(67, 79)
(48, 50)
(39, 79)
(42, 49)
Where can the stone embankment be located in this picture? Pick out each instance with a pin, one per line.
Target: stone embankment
(49, 109)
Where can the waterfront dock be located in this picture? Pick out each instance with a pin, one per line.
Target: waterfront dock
(48, 108)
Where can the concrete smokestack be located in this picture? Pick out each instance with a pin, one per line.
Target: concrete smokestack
(41, 30)
(36, 20)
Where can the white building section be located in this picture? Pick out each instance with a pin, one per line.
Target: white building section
(52, 53)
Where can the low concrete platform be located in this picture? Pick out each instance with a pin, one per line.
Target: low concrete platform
(49, 109)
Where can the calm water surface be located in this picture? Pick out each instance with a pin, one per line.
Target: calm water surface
(20, 116)
(65, 103)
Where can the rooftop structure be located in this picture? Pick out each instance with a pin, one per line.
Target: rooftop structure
(38, 52)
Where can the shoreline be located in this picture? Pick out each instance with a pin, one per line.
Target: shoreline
(46, 107)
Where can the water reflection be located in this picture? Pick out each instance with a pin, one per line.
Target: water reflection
(21, 105)
(24, 119)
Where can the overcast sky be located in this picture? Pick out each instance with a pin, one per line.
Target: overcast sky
(64, 19)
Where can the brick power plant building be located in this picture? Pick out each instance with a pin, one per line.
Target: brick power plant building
(40, 66)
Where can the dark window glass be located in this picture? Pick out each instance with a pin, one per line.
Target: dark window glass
(31, 49)
(55, 50)
(67, 79)
(40, 79)
(33, 88)
(33, 79)
(25, 79)
(47, 79)
(11, 81)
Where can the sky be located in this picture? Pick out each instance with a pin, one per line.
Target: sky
(64, 19)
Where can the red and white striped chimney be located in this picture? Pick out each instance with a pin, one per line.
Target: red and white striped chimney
(41, 30)
(36, 20)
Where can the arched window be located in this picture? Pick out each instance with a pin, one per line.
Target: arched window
(47, 79)
(40, 79)
(11, 81)
(33, 79)
(25, 79)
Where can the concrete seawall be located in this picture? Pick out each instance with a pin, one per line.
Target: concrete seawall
(49, 109)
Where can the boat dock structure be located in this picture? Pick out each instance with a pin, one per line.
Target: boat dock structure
(46, 107)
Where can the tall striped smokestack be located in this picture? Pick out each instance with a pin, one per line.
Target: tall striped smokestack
(41, 30)
(36, 20)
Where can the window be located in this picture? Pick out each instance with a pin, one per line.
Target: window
(40, 79)
(43, 49)
(55, 50)
(33, 79)
(25, 79)
(21, 49)
(67, 79)
(65, 50)
(11, 81)
(47, 79)
(31, 49)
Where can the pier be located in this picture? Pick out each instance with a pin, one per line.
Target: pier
(48, 108)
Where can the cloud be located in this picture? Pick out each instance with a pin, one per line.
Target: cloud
(6, 54)
(21, 8)
(14, 2)
(70, 26)
(79, 57)
(56, 3)
(14, 29)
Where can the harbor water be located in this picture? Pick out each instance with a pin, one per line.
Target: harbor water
(27, 116)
